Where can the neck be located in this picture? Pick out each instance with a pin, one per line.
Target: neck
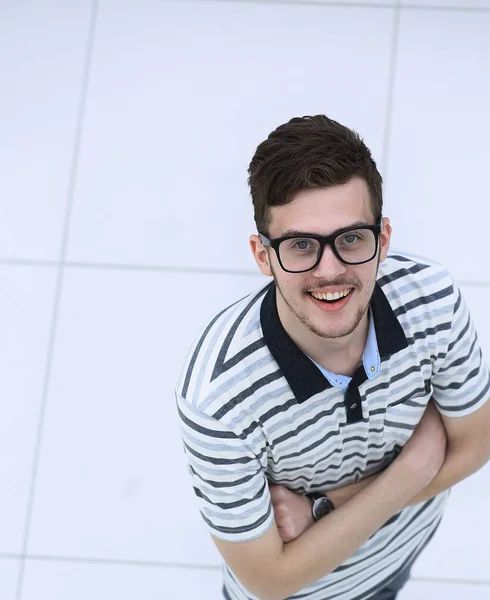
(339, 355)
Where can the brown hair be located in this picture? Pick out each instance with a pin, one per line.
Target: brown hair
(305, 153)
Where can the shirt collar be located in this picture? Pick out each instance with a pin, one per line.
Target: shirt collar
(370, 357)
(303, 377)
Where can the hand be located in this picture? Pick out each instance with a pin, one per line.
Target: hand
(292, 512)
(425, 451)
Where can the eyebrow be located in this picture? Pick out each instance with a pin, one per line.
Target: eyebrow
(298, 233)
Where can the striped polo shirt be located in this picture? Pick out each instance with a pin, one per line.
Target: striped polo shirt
(255, 410)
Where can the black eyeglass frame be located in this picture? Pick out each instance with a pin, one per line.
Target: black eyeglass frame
(323, 240)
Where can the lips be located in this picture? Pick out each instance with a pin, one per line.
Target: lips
(332, 306)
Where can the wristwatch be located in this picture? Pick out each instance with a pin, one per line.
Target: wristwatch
(321, 505)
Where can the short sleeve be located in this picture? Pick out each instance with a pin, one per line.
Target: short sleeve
(227, 477)
(461, 378)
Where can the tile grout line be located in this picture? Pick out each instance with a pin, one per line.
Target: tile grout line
(142, 268)
(122, 562)
(57, 293)
(113, 561)
(352, 4)
(126, 267)
(460, 9)
(424, 579)
(327, 3)
(391, 90)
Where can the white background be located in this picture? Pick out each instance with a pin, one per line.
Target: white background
(126, 128)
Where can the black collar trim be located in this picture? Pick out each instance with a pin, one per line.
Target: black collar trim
(304, 378)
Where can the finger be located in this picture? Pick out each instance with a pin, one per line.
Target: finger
(286, 533)
(278, 493)
(285, 524)
(282, 510)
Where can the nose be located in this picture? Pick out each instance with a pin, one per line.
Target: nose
(329, 266)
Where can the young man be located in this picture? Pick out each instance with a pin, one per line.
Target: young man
(326, 416)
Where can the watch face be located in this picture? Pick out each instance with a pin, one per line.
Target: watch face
(321, 507)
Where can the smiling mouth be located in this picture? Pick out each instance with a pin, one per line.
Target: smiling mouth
(331, 297)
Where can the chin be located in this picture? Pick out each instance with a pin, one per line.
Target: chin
(334, 334)
(342, 328)
(329, 333)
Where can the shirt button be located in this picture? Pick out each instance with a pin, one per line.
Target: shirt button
(353, 406)
(372, 369)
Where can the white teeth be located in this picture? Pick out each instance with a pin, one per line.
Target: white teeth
(330, 295)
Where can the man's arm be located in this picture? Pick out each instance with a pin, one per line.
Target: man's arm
(468, 449)
(274, 570)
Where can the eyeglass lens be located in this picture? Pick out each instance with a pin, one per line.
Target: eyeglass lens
(301, 254)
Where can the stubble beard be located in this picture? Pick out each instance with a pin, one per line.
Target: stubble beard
(331, 334)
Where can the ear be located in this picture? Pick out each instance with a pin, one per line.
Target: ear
(384, 239)
(261, 255)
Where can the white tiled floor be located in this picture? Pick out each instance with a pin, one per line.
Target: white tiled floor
(425, 590)
(112, 481)
(478, 301)
(42, 53)
(45, 580)
(462, 4)
(169, 131)
(460, 547)
(9, 573)
(437, 170)
(24, 331)
(381, 3)
(180, 93)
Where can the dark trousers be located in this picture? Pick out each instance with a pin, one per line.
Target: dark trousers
(390, 591)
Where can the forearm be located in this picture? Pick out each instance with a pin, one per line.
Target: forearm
(343, 494)
(328, 543)
(459, 464)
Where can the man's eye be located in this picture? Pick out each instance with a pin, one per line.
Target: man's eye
(350, 238)
(302, 245)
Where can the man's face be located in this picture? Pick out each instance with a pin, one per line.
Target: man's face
(323, 211)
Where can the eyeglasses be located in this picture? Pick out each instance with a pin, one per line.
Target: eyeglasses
(352, 246)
